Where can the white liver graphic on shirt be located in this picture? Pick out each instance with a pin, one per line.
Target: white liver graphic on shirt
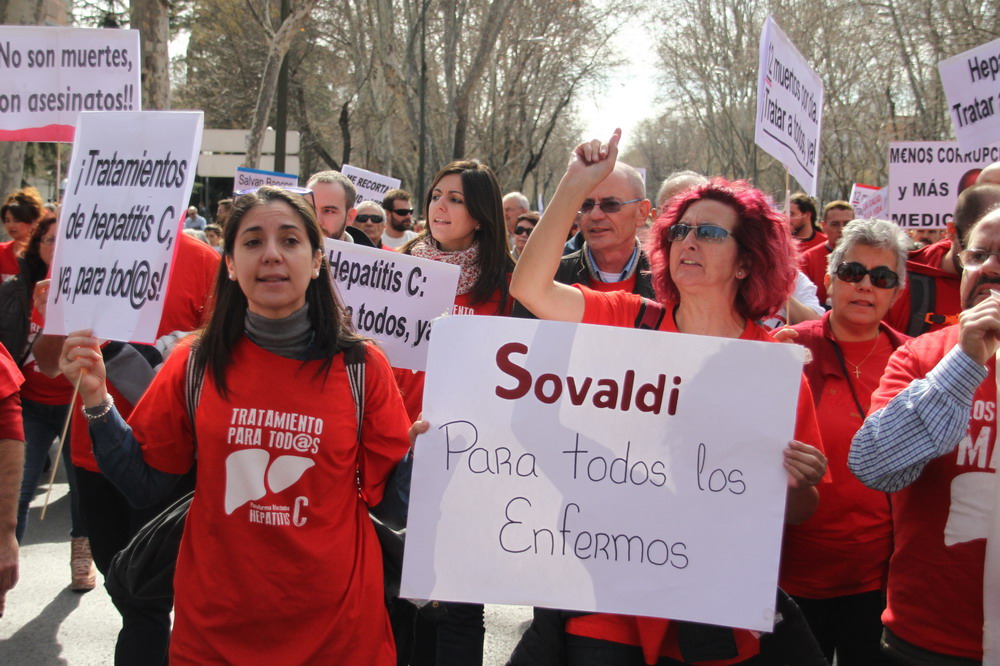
(245, 472)
(971, 508)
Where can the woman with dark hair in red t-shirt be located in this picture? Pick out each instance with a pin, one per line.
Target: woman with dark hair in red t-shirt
(721, 258)
(465, 227)
(279, 562)
(18, 214)
(45, 405)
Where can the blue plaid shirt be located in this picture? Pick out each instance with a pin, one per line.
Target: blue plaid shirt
(925, 420)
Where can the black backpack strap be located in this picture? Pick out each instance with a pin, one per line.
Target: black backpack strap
(354, 361)
(650, 315)
(193, 381)
(922, 300)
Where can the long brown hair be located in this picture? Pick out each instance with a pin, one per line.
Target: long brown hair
(332, 330)
(482, 199)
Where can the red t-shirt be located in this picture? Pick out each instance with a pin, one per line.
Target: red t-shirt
(192, 282)
(39, 387)
(947, 297)
(930, 255)
(935, 587)
(8, 261)
(627, 285)
(411, 382)
(818, 238)
(813, 263)
(279, 562)
(844, 547)
(11, 426)
(654, 635)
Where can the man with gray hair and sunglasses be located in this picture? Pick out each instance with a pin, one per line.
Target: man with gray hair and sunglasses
(611, 258)
(930, 440)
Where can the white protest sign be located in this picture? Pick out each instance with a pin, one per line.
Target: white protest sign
(392, 297)
(371, 186)
(49, 75)
(129, 184)
(971, 83)
(870, 202)
(925, 177)
(601, 469)
(789, 106)
(246, 178)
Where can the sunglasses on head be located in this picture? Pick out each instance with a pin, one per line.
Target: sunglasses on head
(610, 206)
(403, 212)
(375, 219)
(881, 276)
(303, 192)
(703, 232)
(523, 230)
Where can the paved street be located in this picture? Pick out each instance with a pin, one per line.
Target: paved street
(45, 623)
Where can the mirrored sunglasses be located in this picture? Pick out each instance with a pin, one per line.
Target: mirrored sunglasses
(703, 232)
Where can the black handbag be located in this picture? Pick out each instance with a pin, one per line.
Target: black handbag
(144, 569)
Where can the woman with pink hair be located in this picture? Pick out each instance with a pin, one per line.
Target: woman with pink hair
(722, 258)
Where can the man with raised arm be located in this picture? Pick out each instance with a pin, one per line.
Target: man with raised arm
(611, 258)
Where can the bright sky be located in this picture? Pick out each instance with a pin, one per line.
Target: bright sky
(600, 110)
(631, 93)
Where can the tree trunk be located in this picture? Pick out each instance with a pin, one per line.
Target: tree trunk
(496, 19)
(15, 12)
(280, 44)
(150, 18)
(345, 131)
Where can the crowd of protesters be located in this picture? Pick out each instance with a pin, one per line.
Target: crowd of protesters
(891, 484)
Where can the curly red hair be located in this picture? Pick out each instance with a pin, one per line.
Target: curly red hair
(765, 246)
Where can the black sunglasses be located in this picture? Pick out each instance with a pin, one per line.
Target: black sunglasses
(881, 276)
(610, 206)
(377, 219)
(523, 230)
(403, 212)
(703, 232)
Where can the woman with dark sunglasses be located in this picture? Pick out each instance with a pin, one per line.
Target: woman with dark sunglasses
(522, 230)
(721, 259)
(834, 565)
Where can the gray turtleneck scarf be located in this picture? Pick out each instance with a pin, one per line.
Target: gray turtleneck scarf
(289, 337)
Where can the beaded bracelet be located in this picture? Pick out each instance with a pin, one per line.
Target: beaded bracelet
(99, 411)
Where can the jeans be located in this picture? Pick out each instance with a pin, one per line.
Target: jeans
(43, 424)
(111, 522)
